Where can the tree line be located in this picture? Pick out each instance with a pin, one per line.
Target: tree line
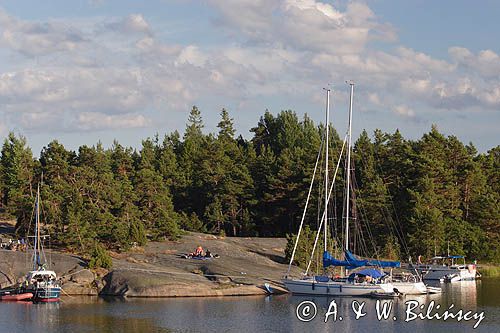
(421, 196)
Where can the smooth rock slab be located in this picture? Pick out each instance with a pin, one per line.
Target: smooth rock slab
(83, 276)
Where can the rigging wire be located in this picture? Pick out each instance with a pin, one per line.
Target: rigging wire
(394, 226)
(305, 210)
(396, 223)
(364, 219)
(323, 217)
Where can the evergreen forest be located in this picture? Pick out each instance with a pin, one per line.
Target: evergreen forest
(413, 197)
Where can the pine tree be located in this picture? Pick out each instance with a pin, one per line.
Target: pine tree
(372, 199)
(188, 194)
(226, 127)
(427, 220)
(153, 197)
(435, 192)
(484, 204)
(225, 181)
(56, 166)
(17, 168)
(128, 229)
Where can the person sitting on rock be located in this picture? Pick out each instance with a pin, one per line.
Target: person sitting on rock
(208, 254)
(198, 252)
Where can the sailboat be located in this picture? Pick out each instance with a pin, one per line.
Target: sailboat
(42, 283)
(365, 282)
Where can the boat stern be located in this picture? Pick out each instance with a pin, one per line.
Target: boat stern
(387, 287)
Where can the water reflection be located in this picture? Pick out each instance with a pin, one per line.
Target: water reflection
(246, 314)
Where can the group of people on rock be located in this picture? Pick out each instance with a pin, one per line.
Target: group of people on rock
(14, 245)
(199, 253)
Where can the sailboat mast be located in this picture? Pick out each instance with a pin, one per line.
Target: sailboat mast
(348, 198)
(326, 166)
(37, 229)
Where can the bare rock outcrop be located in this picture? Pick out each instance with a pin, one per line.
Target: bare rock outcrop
(159, 269)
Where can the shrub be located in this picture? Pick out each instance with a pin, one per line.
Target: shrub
(100, 258)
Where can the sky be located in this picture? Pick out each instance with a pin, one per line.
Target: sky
(84, 71)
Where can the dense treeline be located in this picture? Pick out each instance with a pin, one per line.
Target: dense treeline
(417, 197)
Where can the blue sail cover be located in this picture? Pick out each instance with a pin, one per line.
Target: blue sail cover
(378, 263)
(368, 272)
(352, 262)
(328, 260)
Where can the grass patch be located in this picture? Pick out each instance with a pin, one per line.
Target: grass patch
(489, 270)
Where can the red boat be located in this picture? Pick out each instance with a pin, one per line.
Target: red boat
(16, 297)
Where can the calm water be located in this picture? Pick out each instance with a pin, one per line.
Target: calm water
(248, 314)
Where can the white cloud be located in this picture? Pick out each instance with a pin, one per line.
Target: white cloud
(52, 97)
(416, 86)
(303, 24)
(191, 55)
(404, 111)
(374, 98)
(323, 8)
(38, 38)
(99, 121)
(105, 72)
(252, 17)
(325, 41)
(132, 24)
(486, 62)
(114, 90)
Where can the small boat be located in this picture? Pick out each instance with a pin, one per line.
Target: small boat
(269, 290)
(410, 288)
(434, 290)
(386, 295)
(408, 283)
(13, 297)
(452, 278)
(43, 285)
(446, 269)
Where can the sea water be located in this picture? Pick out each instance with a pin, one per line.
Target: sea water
(280, 313)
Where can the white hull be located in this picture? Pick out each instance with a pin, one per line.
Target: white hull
(410, 288)
(440, 273)
(335, 288)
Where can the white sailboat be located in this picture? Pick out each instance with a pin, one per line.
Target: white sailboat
(40, 282)
(362, 283)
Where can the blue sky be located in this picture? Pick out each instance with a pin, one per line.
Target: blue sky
(90, 70)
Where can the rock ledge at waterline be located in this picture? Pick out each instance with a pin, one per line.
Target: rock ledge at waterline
(158, 270)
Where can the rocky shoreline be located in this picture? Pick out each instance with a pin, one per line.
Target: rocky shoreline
(158, 269)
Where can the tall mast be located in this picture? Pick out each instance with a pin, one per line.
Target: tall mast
(37, 229)
(348, 198)
(326, 165)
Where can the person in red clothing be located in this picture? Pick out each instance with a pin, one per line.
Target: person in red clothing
(198, 252)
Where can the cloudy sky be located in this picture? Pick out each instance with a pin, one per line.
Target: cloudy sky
(87, 70)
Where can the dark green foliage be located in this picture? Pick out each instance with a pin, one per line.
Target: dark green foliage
(100, 258)
(224, 176)
(153, 197)
(304, 249)
(412, 197)
(17, 169)
(191, 222)
(391, 249)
